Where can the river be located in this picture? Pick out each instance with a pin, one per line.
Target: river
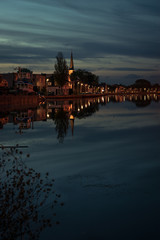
(104, 156)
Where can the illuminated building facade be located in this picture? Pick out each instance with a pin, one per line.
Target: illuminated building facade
(71, 69)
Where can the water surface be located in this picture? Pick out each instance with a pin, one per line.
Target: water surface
(105, 163)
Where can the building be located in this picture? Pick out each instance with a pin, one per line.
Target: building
(24, 73)
(25, 86)
(3, 82)
(10, 78)
(39, 81)
(71, 69)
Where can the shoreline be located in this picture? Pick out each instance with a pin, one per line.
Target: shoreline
(11, 99)
(97, 95)
(21, 101)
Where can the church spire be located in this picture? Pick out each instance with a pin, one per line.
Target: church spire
(71, 63)
(71, 69)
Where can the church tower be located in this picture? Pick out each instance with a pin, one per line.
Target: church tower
(71, 69)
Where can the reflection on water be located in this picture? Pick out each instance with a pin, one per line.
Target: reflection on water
(61, 121)
(108, 173)
(61, 112)
(25, 208)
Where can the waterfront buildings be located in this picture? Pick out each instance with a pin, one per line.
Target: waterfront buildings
(24, 80)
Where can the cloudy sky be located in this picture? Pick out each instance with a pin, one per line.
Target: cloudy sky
(119, 40)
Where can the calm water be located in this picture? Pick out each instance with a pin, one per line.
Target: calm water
(105, 163)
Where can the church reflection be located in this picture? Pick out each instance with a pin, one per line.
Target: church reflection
(64, 112)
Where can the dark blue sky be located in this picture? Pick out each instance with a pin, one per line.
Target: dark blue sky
(118, 40)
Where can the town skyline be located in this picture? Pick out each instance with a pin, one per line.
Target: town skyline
(68, 62)
(116, 41)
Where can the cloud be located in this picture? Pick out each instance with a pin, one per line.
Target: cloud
(35, 30)
(133, 69)
(132, 48)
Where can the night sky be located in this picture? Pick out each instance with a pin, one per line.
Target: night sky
(118, 40)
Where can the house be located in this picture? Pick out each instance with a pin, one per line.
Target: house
(25, 86)
(39, 81)
(3, 82)
(3, 85)
(24, 73)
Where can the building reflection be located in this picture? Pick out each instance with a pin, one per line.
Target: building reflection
(3, 120)
(64, 112)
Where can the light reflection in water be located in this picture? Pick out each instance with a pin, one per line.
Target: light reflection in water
(60, 111)
(99, 156)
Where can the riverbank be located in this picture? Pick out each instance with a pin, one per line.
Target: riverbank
(34, 100)
(93, 95)
(12, 101)
(75, 96)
